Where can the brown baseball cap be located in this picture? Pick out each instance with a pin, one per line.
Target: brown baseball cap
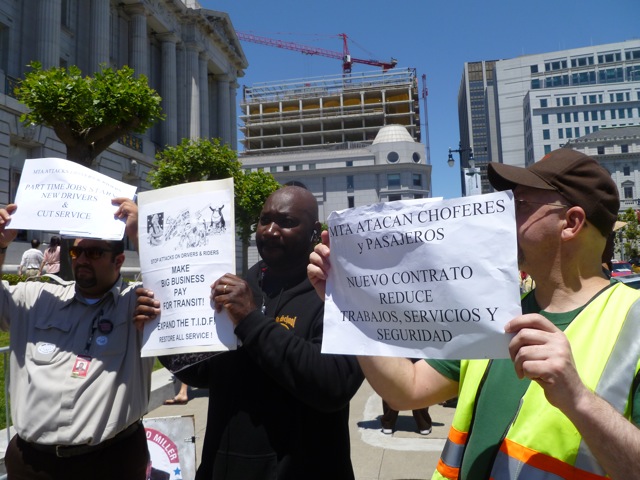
(578, 178)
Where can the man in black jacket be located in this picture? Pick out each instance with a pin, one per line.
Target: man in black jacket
(278, 408)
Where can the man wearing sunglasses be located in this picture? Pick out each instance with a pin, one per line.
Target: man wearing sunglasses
(78, 384)
(567, 403)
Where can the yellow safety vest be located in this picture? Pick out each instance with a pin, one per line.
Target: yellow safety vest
(542, 443)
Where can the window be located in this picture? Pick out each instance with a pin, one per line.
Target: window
(543, 103)
(417, 180)
(567, 117)
(4, 47)
(273, 169)
(560, 133)
(393, 198)
(534, 68)
(624, 148)
(546, 134)
(628, 192)
(418, 195)
(349, 182)
(299, 166)
(547, 149)
(626, 170)
(393, 180)
(568, 133)
(416, 157)
(600, 150)
(285, 168)
(558, 118)
(349, 163)
(545, 119)
(576, 132)
(351, 202)
(393, 157)
(594, 115)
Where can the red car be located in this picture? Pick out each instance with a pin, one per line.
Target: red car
(621, 269)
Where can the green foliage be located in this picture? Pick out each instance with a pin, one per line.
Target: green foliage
(627, 236)
(193, 161)
(88, 114)
(252, 190)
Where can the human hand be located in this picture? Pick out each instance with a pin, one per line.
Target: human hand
(147, 308)
(233, 294)
(319, 265)
(541, 351)
(128, 210)
(7, 235)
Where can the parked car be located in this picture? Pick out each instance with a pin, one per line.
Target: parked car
(632, 281)
(621, 269)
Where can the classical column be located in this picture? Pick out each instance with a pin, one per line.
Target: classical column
(203, 85)
(47, 32)
(139, 60)
(193, 91)
(99, 32)
(214, 128)
(169, 89)
(183, 107)
(224, 108)
(233, 91)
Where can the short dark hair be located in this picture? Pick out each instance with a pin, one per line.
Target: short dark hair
(35, 243)
(117, 247)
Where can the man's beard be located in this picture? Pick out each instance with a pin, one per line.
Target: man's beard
(86, 281)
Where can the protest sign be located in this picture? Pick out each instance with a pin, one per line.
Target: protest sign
(63, 196)
(187, 241)
(435, 279)
(172, 449)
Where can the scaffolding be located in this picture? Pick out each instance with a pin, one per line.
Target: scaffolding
(323, 111)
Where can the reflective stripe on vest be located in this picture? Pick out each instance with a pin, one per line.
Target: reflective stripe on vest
(614, 383)
(471, 375)
(537, 449)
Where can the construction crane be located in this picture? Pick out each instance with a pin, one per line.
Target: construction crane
(425, 94)
(345, 56)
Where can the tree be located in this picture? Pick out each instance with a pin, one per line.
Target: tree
(627, 237)
(197, 160)
(88, 114)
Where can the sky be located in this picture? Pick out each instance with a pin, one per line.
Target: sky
(435, 37)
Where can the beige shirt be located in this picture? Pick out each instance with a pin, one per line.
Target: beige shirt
(50, 327)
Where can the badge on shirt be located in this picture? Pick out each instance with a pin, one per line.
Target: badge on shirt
(81, 366)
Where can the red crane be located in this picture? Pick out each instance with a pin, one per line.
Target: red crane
(345, 56)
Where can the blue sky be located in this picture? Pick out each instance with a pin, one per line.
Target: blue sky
(435, 37)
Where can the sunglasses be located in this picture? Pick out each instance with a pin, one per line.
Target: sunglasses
(92, 253)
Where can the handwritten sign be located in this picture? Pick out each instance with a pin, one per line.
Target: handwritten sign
(436, 279)
(54, 192)
(187, 241)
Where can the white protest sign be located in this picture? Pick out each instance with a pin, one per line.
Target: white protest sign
(63, 196)
(434, 279)
(187, 241)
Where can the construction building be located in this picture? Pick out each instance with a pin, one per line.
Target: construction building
(320, 112)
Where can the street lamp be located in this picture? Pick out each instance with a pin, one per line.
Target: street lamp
(460, 151)
(472, 169)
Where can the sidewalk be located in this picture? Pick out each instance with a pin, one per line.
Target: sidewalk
(403, 455)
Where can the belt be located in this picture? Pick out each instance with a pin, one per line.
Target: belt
(65, 451)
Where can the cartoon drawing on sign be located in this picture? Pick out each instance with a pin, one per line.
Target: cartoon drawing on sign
(190, 229)
(217, 219)
(155, 228)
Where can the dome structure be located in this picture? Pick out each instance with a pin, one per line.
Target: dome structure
(393, 133)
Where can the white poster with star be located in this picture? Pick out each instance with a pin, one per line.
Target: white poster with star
(187, 241)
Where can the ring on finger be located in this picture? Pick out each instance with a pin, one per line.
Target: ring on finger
(225, 289)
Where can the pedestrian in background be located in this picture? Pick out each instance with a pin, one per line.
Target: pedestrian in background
(51, 261)
(31, 260)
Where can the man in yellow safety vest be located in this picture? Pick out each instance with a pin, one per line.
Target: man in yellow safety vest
(567, 403)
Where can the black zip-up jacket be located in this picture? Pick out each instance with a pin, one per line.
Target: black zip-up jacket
(278, 408)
